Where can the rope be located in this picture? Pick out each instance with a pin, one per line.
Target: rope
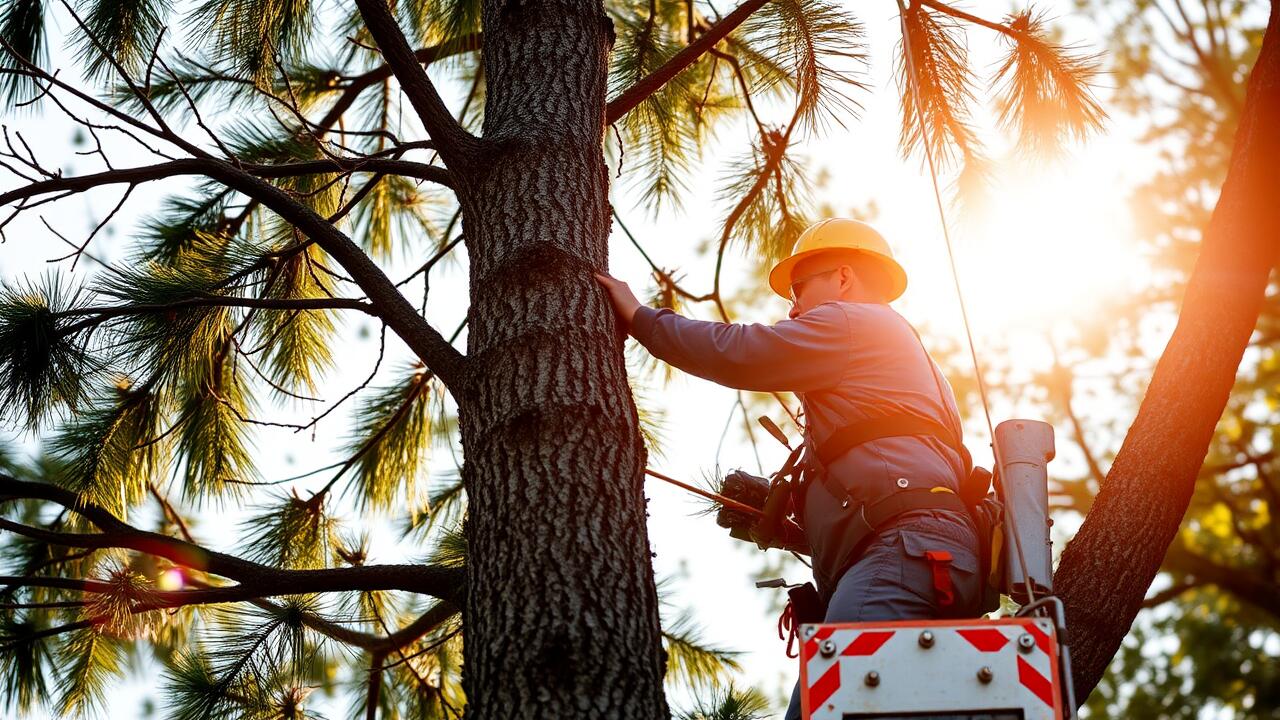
(955, 277)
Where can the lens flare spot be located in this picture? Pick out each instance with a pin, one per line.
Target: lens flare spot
(171, 579)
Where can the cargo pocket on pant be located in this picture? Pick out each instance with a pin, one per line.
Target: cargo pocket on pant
(938, 573)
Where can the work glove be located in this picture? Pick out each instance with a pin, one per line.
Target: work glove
(747, 489)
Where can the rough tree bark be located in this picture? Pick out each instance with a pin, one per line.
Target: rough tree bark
(561, 610)
(1107, 568)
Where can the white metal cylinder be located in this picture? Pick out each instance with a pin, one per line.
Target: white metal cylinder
(1026, 447)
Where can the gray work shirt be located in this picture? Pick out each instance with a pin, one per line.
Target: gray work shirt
(847, 362)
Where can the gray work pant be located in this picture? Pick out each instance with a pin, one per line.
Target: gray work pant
(892, 580)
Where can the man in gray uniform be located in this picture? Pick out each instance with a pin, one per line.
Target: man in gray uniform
(853, 361)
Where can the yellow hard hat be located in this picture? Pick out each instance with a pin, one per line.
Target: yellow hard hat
(839, 234)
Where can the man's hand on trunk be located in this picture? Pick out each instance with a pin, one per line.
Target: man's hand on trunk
(624, 301)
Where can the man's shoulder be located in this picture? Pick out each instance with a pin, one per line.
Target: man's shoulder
(858, 312)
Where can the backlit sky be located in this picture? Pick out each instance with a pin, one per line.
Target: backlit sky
(1056, 244)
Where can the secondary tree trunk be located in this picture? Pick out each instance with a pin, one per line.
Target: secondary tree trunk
(561, 610)
(1108, 566)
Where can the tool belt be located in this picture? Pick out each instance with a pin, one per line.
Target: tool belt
(974, 500)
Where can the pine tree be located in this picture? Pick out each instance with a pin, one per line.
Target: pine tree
(158, 368)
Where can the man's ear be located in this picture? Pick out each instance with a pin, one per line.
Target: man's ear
(848, 279)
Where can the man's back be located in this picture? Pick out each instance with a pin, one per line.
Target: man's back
(848, 362)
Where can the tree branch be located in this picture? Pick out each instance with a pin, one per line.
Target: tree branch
(1168, 594)
(453, 142)
(628, 99)
(445, 361)
(1237, 581)
(101, 314)
(946, 9)
(359, 83)
(202, 166)
(255, 580)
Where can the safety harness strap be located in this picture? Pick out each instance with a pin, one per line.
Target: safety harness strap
(854, 434)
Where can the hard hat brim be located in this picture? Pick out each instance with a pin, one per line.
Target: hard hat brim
(780, 277)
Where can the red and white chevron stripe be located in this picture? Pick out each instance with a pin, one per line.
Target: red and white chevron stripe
(1005, 668)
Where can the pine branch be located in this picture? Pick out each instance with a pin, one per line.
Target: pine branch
(969, 17)
(104, 313)
(260, 580)
(631, 97)
(204, 166)
(455, 145)
(446, 362)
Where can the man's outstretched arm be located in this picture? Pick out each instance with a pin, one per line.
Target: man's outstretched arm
(808, 353)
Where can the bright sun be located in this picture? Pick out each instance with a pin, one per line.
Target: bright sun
(1051, 246)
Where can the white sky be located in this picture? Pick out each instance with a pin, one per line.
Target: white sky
(1037, 262)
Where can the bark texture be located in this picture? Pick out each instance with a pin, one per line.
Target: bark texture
(561, 608)
(1108, 566)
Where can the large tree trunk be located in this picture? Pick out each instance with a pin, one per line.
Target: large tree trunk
(561, 610)
(1108, 566)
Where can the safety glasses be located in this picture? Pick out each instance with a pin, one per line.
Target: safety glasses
(798, 283)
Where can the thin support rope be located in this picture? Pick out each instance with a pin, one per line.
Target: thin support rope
(955, 277)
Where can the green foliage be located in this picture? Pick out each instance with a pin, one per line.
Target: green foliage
(693, 663)
(127, 30)
(445, 507)
(727, 703)
(112, 610)
(296, 342)
(294, 533)
(42, 365)
(651, 420)
(450, 549)
(186, 225)
(781, 205)
(23, 661)
(212, 436)
(247, 667)
(663, 134)
(392, 440)
(175, 342)
(435, 21)
(820, 44)
(88, 660)
(1211, 654)
(109, 448)
(22, 33)
(253, 37)
(396, 209)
